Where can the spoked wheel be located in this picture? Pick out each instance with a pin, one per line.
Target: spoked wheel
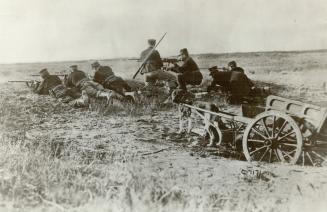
(314, 151)
(313, 156)
(272, 137)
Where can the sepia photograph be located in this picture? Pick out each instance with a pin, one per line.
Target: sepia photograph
(163, 105)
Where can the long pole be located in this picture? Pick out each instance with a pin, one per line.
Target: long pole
(147, 57)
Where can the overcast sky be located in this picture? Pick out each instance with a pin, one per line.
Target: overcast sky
(52, 30)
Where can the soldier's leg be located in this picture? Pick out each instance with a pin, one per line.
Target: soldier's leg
(181, 78)
(115, 86)
(73, 92)
(60, 92)
(149, 79)
(122, 84)
(83, 101)
(194, 78)
(90, 89)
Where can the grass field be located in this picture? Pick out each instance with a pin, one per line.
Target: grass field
(56, 158)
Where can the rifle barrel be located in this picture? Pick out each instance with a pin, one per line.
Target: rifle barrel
(219, 68)
(36, 75)
(20, 81)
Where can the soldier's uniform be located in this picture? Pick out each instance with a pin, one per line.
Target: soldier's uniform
(152, 68)
(52, 85)
(234, 82)
(89, 88)
(106, 77)
(189, 73)
(47, 84)
(234, 68)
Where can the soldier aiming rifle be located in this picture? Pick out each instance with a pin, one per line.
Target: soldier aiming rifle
(188, 73)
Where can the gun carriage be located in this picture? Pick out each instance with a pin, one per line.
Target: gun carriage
(284, 130)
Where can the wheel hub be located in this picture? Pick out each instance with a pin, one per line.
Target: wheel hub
(271, 143)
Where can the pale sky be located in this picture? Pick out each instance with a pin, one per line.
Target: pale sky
(54, 30)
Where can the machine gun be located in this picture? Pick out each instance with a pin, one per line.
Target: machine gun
(170, 60)
(215, 68)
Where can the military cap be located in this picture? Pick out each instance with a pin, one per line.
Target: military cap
(152, 42)
(73, 66)
(44, 70)
(232, 63)
(183, 51)
(95, 64)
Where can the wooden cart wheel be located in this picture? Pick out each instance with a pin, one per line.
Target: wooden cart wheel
(314, 150)
(272, 137)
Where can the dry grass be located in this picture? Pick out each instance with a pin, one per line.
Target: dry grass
(55, 158)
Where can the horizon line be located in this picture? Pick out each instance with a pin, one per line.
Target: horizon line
(213, 53)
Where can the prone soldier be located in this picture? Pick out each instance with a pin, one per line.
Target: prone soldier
(79, 79)
(52, 85)
(107, 78)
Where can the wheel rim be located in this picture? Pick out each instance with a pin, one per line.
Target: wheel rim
(272, 137)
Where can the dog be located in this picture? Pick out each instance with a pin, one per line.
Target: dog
(187, 108)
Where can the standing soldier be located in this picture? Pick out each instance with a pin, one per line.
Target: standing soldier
(153, 65)
(89, 88)
(107, 78)
(188, 73)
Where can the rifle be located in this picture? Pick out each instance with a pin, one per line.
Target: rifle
(147, 57)
(214, 68)
(60, 75)
(23, 81)
(170, 60)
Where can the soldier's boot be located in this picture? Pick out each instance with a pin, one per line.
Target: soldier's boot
(83, 101)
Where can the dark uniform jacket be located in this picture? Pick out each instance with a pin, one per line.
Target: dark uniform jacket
(154, 61)
(102, 74)
(48, 84)
(75, 78)
(235, 82)
(238, 69)
(188, 65)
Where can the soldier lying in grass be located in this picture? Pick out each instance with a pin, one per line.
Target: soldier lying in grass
(52, 85)
(107, 78)
(89, 88)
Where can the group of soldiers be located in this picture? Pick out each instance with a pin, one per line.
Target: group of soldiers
(78, 87)
(232, 79)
